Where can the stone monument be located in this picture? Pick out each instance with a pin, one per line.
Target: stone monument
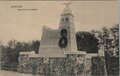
(58, 54)
(51, 41)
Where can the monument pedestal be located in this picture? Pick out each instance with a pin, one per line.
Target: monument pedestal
(53, 65)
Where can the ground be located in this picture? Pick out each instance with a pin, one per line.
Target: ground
(12, 73)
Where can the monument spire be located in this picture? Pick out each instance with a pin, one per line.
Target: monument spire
(67, 9)
(67, 24)
(67, 4)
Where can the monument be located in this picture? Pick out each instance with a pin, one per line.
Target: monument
(58, 54)
(62, 40)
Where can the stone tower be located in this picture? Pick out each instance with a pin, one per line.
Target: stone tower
(67, 22)
(51, 39)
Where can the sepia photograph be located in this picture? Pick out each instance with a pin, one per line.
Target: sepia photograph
(59, 38)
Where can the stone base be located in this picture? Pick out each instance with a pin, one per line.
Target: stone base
(71, 65)
(68, 64)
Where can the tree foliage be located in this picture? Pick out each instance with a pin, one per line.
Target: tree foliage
(10, 52)
(87, 42)
(109, 41)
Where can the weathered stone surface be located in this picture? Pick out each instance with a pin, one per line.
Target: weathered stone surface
(50, 37)
(73, 65)
(67, 65)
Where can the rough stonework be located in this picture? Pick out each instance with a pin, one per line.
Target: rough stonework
(69, 65)
(54, 66)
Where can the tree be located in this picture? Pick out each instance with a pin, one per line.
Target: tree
(114, 32)
(10, 52)
(109, 41)
(35, 46)
(87, 42)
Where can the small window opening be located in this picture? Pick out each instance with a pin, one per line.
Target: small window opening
(63, 19)
(66, 19)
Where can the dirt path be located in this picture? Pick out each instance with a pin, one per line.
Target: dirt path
(11, 73)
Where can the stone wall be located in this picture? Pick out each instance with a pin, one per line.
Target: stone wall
(70, 65)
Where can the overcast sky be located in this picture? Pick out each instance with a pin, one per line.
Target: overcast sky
(27, 25)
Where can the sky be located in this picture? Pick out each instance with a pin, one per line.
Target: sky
(26, 25)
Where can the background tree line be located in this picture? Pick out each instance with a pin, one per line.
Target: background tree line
(106, 40)
(10, 52)
(109, 41)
